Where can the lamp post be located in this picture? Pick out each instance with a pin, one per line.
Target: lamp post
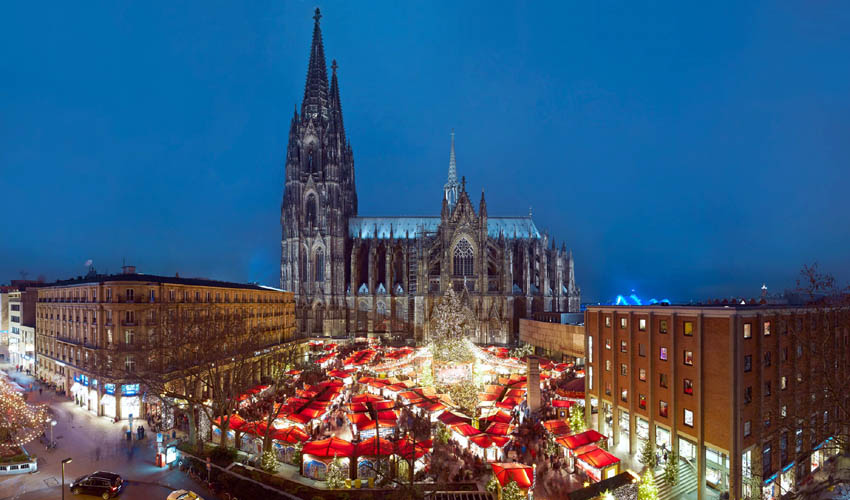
(52, 425)
(66, 461)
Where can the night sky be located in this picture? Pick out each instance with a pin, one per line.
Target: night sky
(684, 151)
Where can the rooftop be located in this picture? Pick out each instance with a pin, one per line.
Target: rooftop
(414, 226)
(151, 278)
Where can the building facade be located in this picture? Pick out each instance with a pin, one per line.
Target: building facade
(21, 306)
(363, 275)
(718, 386)
(93, 332)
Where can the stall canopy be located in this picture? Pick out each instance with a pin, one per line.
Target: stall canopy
(522, 474)
(499, 429)
(557, 427)
(235, 423)
(329, 447)
(498, 416)
(581, 439)
(561, 403)
(375, 447)
(290, 435)
(595, 456)
(408, 449)
(450, 417)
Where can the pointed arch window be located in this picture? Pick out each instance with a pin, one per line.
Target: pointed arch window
(310, 210)
(320, 265)
(463, 259)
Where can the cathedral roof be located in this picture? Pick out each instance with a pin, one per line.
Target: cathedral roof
(413, 226)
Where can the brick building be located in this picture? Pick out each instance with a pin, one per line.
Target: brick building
(718, 385)
(93, 331)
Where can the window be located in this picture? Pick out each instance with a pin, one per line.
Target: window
(689, 328)
(747, 428)
(783, 382)
(766, 419)
(784, 355)
(171, 295)
(662, 408)
(689, 358)
(463, 258)
(642, 401)
(642, 325)
(748, 395)
(766, 327)
(783, 411)
(767, 358)
(663, 354)
(589, 348)
(131, 317)
(320, 265)
(689, 386)
(799, 351)
(607, 388)
(209, 297)
(152, 296)
(608, 321)
(623, 346)
(689, 418)
(662, 379)
(624, 395)
(607, 365)
(748, 330)
(642, 375)
(624, 369)
(311, 208)
(642, 350)
(197, 296)
(130, 364)
(748, 363)
(767, 388)
(109, 295)
(590, 376)
(608, 344)
(662, 326)
(129, 337)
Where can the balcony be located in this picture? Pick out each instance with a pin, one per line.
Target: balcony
(127, 322)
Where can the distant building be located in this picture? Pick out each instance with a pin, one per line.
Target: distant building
(21, 336)
(383, 275)
(92, 331)
(558, 336)
(714, 384)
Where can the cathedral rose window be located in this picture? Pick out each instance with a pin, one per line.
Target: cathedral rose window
(463, 259)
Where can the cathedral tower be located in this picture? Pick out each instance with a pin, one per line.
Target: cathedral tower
(318, 199)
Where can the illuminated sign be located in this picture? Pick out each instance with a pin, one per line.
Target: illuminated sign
(109, 388)
(130, 389)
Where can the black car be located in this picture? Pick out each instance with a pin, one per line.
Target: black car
(100, 483)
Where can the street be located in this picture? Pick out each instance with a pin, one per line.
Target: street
(93, 443)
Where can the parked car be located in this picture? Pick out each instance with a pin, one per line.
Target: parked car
(100, 483)
(183, 495)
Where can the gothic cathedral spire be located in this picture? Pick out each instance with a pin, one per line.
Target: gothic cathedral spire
(316, 88)
(451, 187)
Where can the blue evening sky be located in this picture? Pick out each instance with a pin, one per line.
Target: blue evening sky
(683, 150)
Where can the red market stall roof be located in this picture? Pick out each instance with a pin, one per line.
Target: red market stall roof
(499, 429)
(325, 359)
(235, 423)
(294, 372)
(515, 393)
(290, 434)
(366, 398)
(329, 447)
(384, 424)
(581, 439)
(449, 417)
(339, 374)
(375, 447)
(498, 416)
(522, 474)
(258, 389)
(508, 403)
(557, 427)
(330, 347)
(376, 405)
(597, 457)
(465, 430)
(561, 403)
(430, 406)
(406, 448)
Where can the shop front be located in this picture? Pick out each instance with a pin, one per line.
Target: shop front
(130, 401)
(107, 401)
(716, 469)
(625, 426)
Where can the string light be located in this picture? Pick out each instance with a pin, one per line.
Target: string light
(20, 422)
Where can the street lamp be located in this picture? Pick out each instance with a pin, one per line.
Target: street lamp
(66, 461)
(52, 425)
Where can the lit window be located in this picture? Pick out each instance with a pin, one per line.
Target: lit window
(463, 259)
(624, 395)
(608, 321)
(624, 369)
(663, 354)
(747, 428)
(748, 363)
(766, 328)
(589, 347)
(642, 401)
(689, 386)
(607, 388)
(748, 395)
(642, 374)
(642, 350)
(689, 358)
(608, 344)
(783, 382)
(607, 365)
(662, 408)
(642, 325)
(748, 330)
(689, 328)
(662, 379)
(689, 418)
(662, 326)
(623, 346)
(623, 322)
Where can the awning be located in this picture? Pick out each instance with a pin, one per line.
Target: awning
(581, 439)
(328, 448)
(522, 474)
(375, 447)
(598, 458)
(557, 427)
(449, 417)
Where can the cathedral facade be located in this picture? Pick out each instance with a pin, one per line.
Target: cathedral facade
(355, 275)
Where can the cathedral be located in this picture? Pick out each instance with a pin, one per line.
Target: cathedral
(355, 275)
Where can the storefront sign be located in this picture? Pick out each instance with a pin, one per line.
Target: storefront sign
(109, 388)
(130, 389)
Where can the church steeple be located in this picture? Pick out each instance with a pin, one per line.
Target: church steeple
(316, 89)
(451, 187)
(335, 102)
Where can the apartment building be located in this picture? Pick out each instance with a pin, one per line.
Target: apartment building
(21, 311)
(733, 390)
(94, 332)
